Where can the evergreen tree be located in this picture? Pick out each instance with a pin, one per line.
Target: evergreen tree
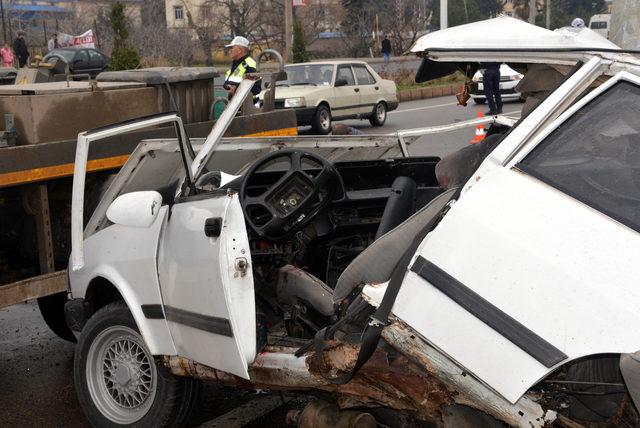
(299, 47)
(466, 11)
(123, 57)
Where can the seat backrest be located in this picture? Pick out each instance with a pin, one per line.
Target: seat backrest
(377, 261)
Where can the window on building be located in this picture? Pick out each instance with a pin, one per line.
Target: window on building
(205, 13)
(178, 12)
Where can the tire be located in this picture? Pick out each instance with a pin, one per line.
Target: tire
(155, 398)
(379, 115)
(321, 122)
(52, 311)
(479, 100)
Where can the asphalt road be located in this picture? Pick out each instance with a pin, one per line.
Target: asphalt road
(36, 367)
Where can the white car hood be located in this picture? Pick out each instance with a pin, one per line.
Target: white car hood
(506, 39)
(283, 92)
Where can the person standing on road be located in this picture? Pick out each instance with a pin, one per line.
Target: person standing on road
(53, 43)
(7, 55)
(491, 82)
(20, 49)
(241, 65)
(386, 49)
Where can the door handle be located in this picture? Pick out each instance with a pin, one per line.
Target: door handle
(213, 227)
(356, 89)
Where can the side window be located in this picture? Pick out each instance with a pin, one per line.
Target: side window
(95, 58)
(344, 72)
(363, 76)
(594, 156)
(81, 60)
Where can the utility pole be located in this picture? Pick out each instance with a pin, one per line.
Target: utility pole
(4, 24)
(548, 14)
(532, 11)
(288, 29)
(443, 14)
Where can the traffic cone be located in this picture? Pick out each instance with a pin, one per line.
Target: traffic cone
(480, 133)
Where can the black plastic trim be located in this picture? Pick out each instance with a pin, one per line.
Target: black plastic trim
(152, 312)
(207, 323)
(516, 333)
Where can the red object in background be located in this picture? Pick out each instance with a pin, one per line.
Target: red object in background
(298, 3)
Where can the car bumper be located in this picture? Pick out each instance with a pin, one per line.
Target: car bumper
(507, 91)
(392, 105)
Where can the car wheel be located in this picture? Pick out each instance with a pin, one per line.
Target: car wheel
(118, 381)
(479, 100)
(379, 115)
(322, 120)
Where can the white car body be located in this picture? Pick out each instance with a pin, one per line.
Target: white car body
(356, 98)
(509, 79)
(522, 277)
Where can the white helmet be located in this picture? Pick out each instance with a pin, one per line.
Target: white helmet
(238, 41)
(578, 23)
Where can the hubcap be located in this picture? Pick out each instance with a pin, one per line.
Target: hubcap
(121, 375)
(381, 112)
(325, 120)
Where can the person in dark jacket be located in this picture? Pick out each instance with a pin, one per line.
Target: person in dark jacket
(20, 49)
(491, 82)
(386, 49)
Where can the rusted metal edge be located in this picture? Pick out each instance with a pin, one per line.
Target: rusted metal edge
(32, 288)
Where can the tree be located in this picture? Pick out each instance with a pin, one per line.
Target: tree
(466, 11)
(123, 57)
(299, 47)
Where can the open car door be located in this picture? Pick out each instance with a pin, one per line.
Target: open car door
(207, 284)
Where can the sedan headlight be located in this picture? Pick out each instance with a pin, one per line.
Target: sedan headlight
(517, 77)
(294, 102)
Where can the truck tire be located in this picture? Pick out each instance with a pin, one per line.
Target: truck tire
(321, 122)
(118, 381)
(52, 311)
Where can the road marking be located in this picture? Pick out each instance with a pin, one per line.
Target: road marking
(248, 412)
(423, 108)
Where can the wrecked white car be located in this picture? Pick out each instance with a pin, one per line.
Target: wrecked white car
(510, 290)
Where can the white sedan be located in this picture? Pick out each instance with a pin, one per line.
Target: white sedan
(509, 79)
(324, 92)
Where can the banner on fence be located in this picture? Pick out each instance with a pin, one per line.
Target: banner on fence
(84, 40)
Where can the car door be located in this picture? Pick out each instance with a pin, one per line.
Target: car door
(97, 62)
(346, 98)
(80, 63)
(536, 264)
(207, 284)
(369, 90)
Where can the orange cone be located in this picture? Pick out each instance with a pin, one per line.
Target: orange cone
(480, 133)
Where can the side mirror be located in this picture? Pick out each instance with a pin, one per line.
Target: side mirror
(341, 82)
(135, 209)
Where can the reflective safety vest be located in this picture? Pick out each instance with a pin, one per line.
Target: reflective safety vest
(240, 71)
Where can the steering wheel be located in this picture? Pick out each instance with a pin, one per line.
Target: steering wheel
(277, 211)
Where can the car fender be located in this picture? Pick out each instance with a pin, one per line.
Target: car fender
(155, 331)
(126, 257)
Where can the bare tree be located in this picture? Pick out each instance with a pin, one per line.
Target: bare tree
(405, 22)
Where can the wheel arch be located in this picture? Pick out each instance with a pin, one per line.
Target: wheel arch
(105, 289)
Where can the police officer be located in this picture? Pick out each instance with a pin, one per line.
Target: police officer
(491, 83)
(242, 64)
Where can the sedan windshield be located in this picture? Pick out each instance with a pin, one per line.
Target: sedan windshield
(308, 74)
